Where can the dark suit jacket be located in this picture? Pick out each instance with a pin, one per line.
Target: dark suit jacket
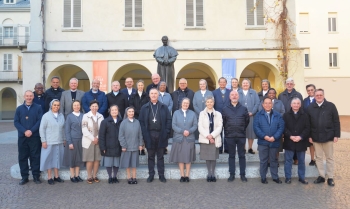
(125, 91)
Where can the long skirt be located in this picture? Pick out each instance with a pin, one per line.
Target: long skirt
(73, 157)
(51, 157)
(91, 154)
(250, 130)
(208, 152)
(129, 159)
(184, 152)
(110, 161)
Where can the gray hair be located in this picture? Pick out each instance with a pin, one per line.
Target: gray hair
(250, 83)
(209, 98)
(116, 82)
(140, 81)
(267, 81)
(295, 99)
(28, 91)
(184, 79)
(290, 79)
(74, 79)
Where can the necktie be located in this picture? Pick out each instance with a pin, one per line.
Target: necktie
(268, 117)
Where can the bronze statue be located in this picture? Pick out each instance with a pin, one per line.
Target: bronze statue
(166, 56)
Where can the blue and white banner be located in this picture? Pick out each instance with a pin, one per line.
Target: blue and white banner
(229, 70)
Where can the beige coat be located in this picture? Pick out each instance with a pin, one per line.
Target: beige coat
(87, 128)
(203, 127)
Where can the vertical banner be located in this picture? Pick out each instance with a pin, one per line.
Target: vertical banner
(100, 72)
(228, 70)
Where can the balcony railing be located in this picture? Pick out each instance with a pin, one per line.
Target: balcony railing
(14, 40)
(9, 75)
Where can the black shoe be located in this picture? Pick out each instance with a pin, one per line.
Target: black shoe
(231, 178)
(288, 181)
(250, 151)
(213, 179)
(150, 178)
(110, 180)
(37, 180)
(134, 181)
(182, 179)
(79, 179)
(50, 181)
(58, 179)
(243, 178)
(74, 180)
(312, 163)
(303, 181)
(268, 164)
(264, 181)
(208, 179)
(24, 181)
(143, 152)
(165, 151)
(187, 179)
(115, 180)
(278, 181)
(162, 178)
(220, 151)
(226, 151)
(319, 179)
(330, 182)
(130, 181)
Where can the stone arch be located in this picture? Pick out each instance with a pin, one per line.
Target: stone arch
(66, 72)
(7, 21)
(8, 103)
(257, 71)
(133, 70)
(195, 71)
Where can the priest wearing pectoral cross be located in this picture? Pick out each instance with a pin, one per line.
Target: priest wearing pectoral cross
(155, 120)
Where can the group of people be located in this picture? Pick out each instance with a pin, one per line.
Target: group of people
(72, 128)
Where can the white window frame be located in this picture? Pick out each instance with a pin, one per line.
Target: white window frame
(307, 58)
(133, 16)
(332, 22)
(8, 62)
(5, 32)
(9, 2)
(255, 15)
(195, 22)
(333, 58)
(304, 27)
(72, 28)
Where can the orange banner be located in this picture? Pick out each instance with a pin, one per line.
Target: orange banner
(100, 72)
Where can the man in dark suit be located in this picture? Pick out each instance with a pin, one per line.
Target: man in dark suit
(54, 92)
(39, 95)
(115, 97)
(69, 96)
(155, 121)
(181, 93)
(27, 122)
(129, 90)
(155, 82)
(222, 99)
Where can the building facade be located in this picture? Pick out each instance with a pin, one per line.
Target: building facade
(14, 37)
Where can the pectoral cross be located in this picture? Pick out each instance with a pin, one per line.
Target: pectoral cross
(154, 120)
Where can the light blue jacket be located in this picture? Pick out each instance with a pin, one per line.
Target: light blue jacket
(167, 100)
(180, 124)
(52, 129)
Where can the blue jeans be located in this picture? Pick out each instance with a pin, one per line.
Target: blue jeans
(267, 153)
(288, 157)
(240, 143)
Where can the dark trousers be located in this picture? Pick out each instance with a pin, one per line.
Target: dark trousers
(224, 142)
(267, 153)
(152, 152)
(288, 157)
(232, 143)
(29, 148)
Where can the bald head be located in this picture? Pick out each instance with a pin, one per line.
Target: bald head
(234, 97)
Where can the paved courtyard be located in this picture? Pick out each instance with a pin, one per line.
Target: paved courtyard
(173, 194)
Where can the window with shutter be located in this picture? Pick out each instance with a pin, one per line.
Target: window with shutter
(332, 22)
(194, 13)
(133, 13)
(7, 61)
(255, 13)
(333, 57)
(304, 22)
(72, 14)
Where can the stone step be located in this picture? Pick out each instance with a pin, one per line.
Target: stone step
(198, 171)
